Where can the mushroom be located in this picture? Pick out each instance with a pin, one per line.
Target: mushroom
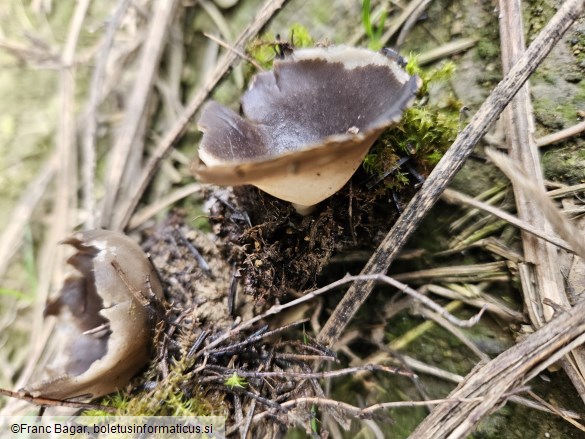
(106, 326)
(308, 123)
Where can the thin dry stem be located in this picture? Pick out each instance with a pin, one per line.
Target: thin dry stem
(545, 206)
(559, 136)
(91, 116)
(494, 382)
(121, 163)
(128, 205)
(46, 402)
(12, 236)
(347, 279)
(452, 196)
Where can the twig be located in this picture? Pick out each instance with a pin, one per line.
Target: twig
(347, 279)
(456, 332)
(519, 129)
(358, 412)
(401, 19)
(448, 167)
(556, 411)
(127, 206)
(254, 338)
(559, 136)
(411, 21)
(135, 112)
(556, 193)
(46, 402)
(445, 50)
(493, 305)
(236, 51)
(539, 199)
(91, 117)
(494, 382)
(319, 375)
(138, 294)
(458, 273)
(423, 368)
(151, 210)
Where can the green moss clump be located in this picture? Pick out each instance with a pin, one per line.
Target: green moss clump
(175, 395)
(423, 135)
(487, 49)
(265, 49)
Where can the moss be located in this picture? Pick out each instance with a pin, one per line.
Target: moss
(555, 115)
(487, 49)
(169, 397)
(566, 165)
(265, 49)
(423, 135)
(537, 15)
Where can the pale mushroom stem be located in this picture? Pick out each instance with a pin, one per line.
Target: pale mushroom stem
(303, 210)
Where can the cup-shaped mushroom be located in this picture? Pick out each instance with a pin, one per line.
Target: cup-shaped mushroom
(307, 124)
(104, 326)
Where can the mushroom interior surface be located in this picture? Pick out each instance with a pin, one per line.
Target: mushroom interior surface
(308, 123)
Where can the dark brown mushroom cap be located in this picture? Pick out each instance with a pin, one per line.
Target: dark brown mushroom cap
(309, 123)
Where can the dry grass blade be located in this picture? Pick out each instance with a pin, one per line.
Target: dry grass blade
(91, 116)
(65, 205)
(556, 193)
(121, 161)
(519, 129)
(11, 238)
(128, 205)
(494, 382)
(303, 375)
(452, 196)
(151, 210)
(408, 11)
(451, 48)
(493, 305)
(565, 134)
(489, 271)
(543, 285)
(358, 412)
(491, 196)
(46, 402)
(532, 191)
(449, 165)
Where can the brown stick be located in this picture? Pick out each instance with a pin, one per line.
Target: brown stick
(559, 136)
(448, 167)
